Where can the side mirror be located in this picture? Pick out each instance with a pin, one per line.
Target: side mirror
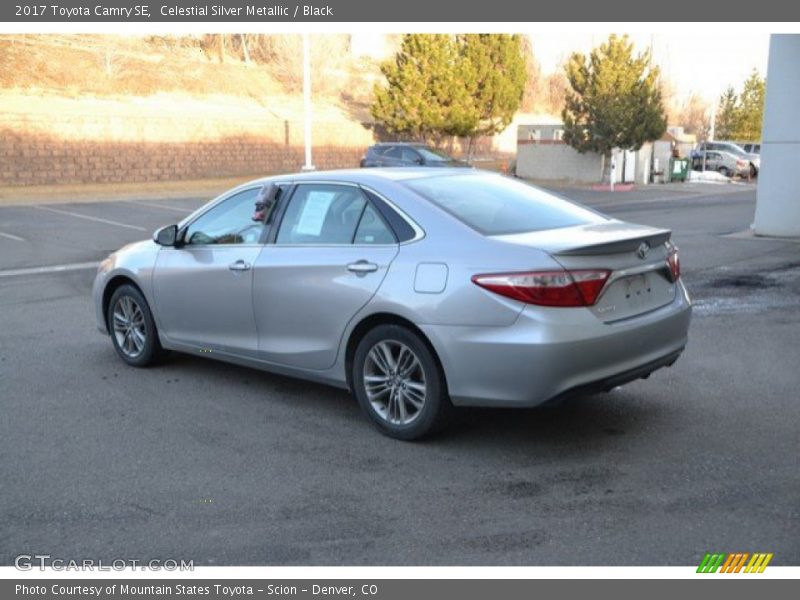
(166, 236)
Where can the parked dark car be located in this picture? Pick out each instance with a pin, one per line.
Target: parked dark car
(408, 155)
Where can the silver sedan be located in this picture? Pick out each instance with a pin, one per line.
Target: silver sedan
(418, 291)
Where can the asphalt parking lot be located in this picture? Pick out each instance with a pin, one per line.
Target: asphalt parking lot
(223, 465)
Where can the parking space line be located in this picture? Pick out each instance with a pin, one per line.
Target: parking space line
(161, 206)
(90, 218)
(48, 269)
(9, 236)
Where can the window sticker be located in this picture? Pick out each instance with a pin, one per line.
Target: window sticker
(314, 211)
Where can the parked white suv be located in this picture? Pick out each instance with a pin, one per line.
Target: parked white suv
(751, 147)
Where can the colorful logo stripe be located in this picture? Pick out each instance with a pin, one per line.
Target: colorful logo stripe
(734, 562)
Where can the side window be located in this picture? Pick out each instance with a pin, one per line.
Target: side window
(403, 231)
(410, 155)
(230, 222)
(372, 229)
(322, 214)
(394, 152)
(376, 151)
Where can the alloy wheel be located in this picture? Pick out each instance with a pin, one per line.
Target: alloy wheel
(129, 327)
(395, 382)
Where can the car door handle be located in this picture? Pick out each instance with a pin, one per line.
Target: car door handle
(362, 266)
(239, 265)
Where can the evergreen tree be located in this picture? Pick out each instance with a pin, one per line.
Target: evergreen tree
(442, 85)
(494, 73)
(727, 115)
(751, 109)
(614, 100)
(423, 97)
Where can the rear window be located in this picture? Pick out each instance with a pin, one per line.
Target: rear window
(433, 155)
(376, 150)
(496, 205)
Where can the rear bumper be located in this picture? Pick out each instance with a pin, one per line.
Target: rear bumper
(552, 351)
(609, 383)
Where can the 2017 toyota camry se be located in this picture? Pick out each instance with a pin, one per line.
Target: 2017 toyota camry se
(417, 290)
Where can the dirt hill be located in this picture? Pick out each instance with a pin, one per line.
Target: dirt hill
(136, 82)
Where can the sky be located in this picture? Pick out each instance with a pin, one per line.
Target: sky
(705, 65)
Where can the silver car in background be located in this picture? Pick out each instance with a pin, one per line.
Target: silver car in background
(752, 159)
(418, 290)
(723, 163)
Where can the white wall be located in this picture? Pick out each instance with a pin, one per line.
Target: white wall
(558, 162)
(778, 195)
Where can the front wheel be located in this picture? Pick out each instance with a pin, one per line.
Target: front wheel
(724, 171)
(399, 384)
(133, 331)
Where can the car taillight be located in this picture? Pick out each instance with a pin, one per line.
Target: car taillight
(673, 262)
(547, 288)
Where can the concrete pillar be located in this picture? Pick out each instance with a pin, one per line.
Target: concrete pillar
(778, 194)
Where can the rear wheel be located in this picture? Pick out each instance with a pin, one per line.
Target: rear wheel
(724, 171)
(753, 171)
(133, 331)
(399, 384)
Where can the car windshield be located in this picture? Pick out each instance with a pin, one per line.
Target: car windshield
(495, 205)
(432, 154)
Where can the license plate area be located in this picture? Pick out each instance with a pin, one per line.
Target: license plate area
(633, 295)
(638, 290)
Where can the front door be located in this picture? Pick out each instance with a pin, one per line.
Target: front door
(330, 255)
(203, 289)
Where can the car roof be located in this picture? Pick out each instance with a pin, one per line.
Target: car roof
(367, 176)
(414, 144)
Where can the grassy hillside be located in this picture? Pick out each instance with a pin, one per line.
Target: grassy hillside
(47, 79)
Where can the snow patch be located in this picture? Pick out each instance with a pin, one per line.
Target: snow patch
(708, 177)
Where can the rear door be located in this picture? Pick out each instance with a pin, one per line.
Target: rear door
(329, 255)
(713, 161)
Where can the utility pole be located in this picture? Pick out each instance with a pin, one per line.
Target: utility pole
(712, 126)
(308, 166)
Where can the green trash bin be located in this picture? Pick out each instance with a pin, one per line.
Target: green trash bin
(678, 169)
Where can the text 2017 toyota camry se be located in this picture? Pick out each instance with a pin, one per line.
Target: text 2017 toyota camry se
(416, 290)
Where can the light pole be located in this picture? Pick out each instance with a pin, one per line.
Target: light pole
(711, 132)
(308, 166)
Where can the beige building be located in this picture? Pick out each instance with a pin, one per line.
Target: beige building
(543, 154)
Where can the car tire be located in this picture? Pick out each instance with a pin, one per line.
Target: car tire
(399, 384)
(753, 171)
(132, 328)
(724, 171)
